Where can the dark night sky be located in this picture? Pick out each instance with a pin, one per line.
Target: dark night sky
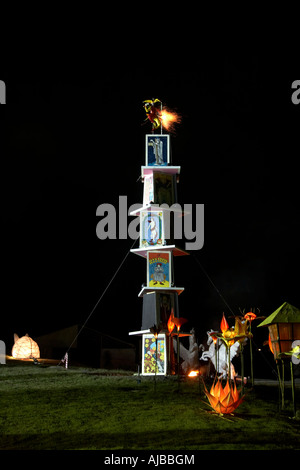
(73, 144)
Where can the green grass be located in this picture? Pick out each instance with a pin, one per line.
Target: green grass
(54, 408)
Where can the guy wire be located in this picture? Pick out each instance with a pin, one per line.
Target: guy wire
(100, 298)
(212, 283)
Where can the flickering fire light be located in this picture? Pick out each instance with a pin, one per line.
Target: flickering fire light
(193, 373)
(160, 115)
(168, 119)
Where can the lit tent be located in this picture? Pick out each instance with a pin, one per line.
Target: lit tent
(25, 348)
(90, 348)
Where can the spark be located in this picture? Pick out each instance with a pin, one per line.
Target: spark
(169, 118)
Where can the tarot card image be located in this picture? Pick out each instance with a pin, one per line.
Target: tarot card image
(154, 355)
(148, 196)
(151, 227)
(157, 149)
(158, 269)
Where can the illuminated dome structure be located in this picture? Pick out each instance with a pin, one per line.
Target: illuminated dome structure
(25, 348)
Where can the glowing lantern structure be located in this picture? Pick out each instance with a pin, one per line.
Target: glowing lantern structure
(25, 348)
(284, 334)
(284, 329)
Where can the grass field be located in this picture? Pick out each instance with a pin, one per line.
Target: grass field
(54, 408)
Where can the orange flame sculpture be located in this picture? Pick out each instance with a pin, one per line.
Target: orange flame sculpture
(171, 324)
(179, 322)
(250, 316)
(224, 325)
(224, 400)
(270, 344)
(230, 335)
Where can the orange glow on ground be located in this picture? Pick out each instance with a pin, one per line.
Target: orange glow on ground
(193, 373)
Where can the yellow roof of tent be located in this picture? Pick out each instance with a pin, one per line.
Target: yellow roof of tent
(286, 313)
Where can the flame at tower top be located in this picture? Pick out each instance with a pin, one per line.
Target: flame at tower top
(160, 116)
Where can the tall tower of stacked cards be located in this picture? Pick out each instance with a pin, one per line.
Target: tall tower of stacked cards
(159, 292)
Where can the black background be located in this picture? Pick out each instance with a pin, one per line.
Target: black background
(72, 143)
